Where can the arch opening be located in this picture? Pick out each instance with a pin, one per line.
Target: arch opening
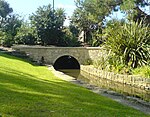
(66, 62)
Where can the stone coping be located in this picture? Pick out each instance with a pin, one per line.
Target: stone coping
(125, 100)
(54, 47)
(132, 80)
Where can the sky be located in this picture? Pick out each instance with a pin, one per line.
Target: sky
(27, 7)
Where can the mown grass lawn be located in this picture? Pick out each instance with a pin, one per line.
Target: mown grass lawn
(28, 90)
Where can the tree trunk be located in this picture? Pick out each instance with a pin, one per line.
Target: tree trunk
(141, 16)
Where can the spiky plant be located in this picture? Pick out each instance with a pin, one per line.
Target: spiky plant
(130, 42)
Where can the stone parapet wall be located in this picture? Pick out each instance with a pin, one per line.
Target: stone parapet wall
(135, 81)
(51, 54)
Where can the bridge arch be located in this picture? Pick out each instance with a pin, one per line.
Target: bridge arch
(66, 62)
(51, 54)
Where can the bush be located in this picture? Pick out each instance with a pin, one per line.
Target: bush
(26, 35)
(27, 39)
(143, 71)
(88, 62)
(7, 40)
(129, 42)
(69, 39)
(101, 63)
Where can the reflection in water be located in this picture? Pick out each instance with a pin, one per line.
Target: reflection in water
(107, 84)
(71, 72)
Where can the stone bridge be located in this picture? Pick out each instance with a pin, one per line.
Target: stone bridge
(51, 55)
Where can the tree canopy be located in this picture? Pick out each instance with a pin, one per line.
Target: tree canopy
(9, 24)
(48, 24)
(134, 11)
(90, 15)
(5, 9)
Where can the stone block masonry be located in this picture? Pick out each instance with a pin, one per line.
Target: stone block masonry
(51, 54)
(81, 54)
(132, 80)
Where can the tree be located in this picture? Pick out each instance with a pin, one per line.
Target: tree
(9, 24)
(81, 21)
(49, 25)
(70, 38)
(90, 15)
(74, 30)
(5, 10)
(133, 9)
(26, 35)
(9, 29)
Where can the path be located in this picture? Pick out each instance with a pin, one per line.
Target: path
(125, 100)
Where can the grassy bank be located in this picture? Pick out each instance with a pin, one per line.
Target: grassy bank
(28, 90)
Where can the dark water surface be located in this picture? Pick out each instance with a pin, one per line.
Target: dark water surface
(110, 85)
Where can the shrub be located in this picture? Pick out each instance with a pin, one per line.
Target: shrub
(69, 39)
(144, 71)
(7, 40)
(129, 42)
(88, 62)
(26, 35)
(101, 63)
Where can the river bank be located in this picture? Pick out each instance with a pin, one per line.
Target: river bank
(125, 100)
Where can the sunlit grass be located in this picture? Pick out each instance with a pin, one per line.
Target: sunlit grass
(27, 90)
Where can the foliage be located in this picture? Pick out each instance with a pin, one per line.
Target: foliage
(97, 37)
(26, 35)
(2, 34)
(74, 30)
(93, 13)
(129, 42)
(100, 63)
(9, 24)
(115, 64)
(112, 64)
(133, 10)
(88, 62)
(49, 25)
(80, 20)
(5, 10)
(39, 93)
(7, 40)
(89, 16)
(69, 38)
(143, 71)
(9, 29)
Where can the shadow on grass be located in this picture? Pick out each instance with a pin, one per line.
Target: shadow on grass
(27, 95)
(9, 55)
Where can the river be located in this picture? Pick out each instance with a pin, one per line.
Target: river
(109, 85)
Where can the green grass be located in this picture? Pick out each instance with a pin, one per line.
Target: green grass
(28, 90)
